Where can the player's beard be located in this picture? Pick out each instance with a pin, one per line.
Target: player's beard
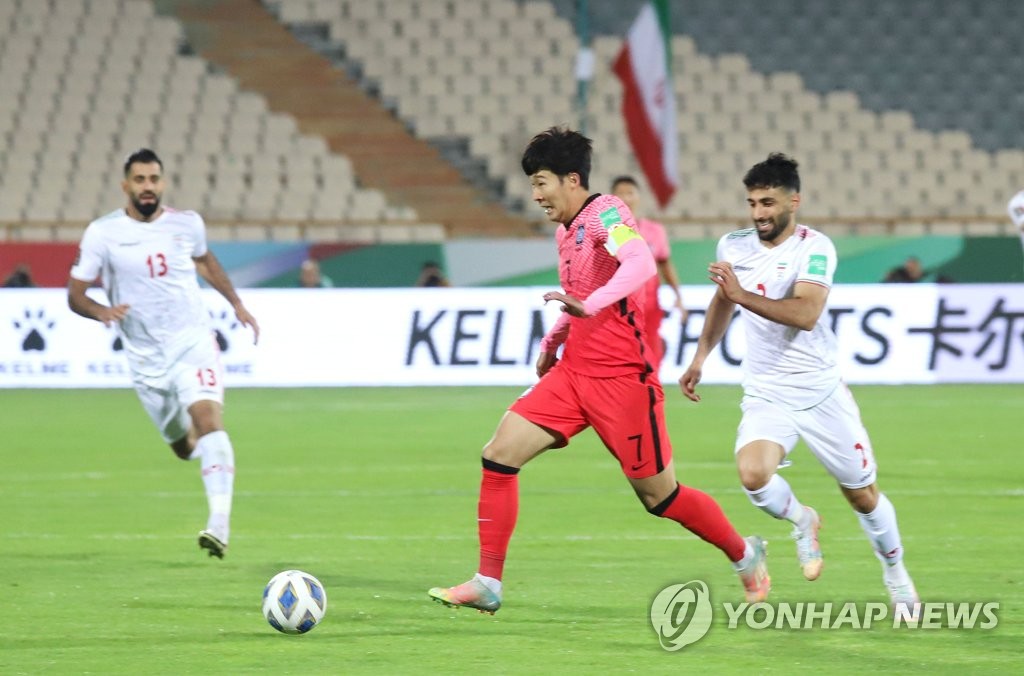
(779, 224)
(147, 209)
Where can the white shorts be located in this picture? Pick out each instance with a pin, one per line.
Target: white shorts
(196, 376)
(832, 430)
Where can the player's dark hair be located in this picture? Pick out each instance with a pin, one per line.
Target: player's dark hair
(562, 152)
(778, 171)
(625, 178)
(142, 156)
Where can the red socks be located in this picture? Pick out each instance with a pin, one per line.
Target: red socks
(698, 512)
(496, 515)
(498, 509)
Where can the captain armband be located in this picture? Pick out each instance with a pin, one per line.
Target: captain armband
(618, 235)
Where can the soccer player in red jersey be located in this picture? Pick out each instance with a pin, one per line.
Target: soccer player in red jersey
(604, 379)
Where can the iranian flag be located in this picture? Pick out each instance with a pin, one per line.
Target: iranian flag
(648, 103)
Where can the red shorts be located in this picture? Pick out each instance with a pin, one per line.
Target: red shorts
(627, 412)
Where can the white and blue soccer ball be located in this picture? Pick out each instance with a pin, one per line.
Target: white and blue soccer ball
(294, 602)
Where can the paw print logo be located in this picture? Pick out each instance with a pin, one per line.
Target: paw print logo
(33, 326)
(224, 323)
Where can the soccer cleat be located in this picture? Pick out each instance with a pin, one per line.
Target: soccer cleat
(906, 605)
(754, 575)
(472, 594)
(212, 544)
(808, 550)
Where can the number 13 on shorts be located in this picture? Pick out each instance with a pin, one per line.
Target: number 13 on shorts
(207, 378)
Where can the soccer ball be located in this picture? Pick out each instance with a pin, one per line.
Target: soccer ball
(294, 602)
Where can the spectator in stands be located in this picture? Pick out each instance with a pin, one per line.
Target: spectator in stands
(911, 271)
(310, 276)
(628, 190)
(21, 278)
(432, 275)
(1016, 209)
(147, 256)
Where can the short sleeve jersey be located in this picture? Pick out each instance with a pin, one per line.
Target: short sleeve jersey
(149, 267)
(657, 239)
(609, 343)
(794, 368)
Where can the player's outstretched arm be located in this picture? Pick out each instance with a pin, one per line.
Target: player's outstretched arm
(716, 322)
(81, 304)
(212, 271)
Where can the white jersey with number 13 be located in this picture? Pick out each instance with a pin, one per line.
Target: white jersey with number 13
(149, 266)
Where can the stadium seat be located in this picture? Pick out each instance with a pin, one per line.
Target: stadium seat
(730, 104)
(84, 100)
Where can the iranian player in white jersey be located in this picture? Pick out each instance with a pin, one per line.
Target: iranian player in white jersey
(779, 274)
(147, 256)
(1016, 211)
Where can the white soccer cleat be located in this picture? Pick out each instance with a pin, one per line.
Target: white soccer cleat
(754, 576)
(906, 604)
(212, 544)
(471, 594)
(808, 550)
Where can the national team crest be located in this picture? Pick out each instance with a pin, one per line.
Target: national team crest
(579, 234)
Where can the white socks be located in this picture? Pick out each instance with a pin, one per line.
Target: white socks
(491, 583)
(748, 554)
(777, 498)
(218, 460)
(884, 534)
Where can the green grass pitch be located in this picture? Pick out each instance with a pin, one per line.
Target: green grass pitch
(374, 491)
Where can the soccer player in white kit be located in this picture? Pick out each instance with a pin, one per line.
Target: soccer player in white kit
(1016, 211)
(147, 256)
(779, 274)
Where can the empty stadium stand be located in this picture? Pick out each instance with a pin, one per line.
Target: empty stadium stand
(953, 65)
(82, 84)
(903, 114)
(496, 71)
(246, 41)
